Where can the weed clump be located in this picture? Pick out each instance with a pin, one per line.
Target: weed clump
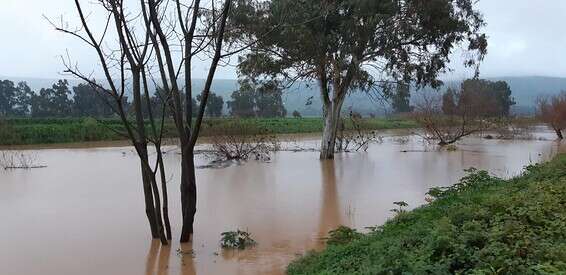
(342, 235)
(237, 239)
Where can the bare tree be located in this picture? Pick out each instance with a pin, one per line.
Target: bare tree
(552, 111)
(124, 64)
(466, 118)
(202, 30)
(239, 140)
(356, 137)
(162, 38)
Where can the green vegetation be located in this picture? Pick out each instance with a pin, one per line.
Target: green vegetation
(482, 225)
(62, 130)
(237, 239)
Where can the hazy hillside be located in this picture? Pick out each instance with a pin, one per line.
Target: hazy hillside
(525, 91)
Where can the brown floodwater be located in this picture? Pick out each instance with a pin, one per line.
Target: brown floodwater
(84, 213)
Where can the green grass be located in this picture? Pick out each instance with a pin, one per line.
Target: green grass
(43, 131)
(482, 225)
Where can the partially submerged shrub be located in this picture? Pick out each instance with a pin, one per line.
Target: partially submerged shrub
(451, 147)
(238, 140)
(342, 235)
(18, 160)
(355, 137)
(473, 179)
(237, 239)
(512, 129)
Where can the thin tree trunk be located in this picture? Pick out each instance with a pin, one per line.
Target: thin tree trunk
(148, 196)
(559, 133)
(164, 190)
(141, 144)
(158, 217)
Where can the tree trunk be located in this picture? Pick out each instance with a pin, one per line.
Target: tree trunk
(164, 191)
(331, 115)
(559, 134)
(148, 196)
(188, 194)
(141, 145)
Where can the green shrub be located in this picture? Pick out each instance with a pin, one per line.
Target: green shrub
(342, 235)
(236, 239)
(482, 225)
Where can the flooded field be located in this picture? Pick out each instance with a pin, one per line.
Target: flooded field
(84, 213)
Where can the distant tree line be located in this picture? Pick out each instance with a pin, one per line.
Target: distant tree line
(83, 100)
(252, 99)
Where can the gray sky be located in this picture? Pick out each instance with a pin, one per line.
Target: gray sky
(526, 37)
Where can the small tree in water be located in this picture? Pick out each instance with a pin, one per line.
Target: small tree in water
(238, 140)
(552, 111)
(447, 122)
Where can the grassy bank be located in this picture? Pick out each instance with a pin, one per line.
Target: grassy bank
(482, 225)
(44, 131)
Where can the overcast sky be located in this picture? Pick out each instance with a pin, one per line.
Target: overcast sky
(526, 37)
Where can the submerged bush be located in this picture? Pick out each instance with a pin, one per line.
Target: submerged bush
(342, 235)
(482, 225)
(239, 140)
(236, 239)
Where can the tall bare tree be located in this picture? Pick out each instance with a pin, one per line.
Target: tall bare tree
(202, 29)
(173, 33)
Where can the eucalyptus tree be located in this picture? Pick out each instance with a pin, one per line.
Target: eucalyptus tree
(356, 44)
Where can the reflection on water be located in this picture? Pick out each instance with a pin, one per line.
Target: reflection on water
(329, 204)
(84, 214)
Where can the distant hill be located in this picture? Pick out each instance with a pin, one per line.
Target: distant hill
(304, 97)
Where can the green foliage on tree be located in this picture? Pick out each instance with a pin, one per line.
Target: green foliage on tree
(52, 102)
(449, 102)
(493, 98)
(400, 100)
(15, 100)
(348, 44)
(214, 106)
(497, 93)
(257, 99)
(88, 102)
(7, 97)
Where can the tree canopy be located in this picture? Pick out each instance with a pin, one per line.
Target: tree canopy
(15, 100)
(345, 43)
(492, 98)
(349, 44)
(215, 105)
(256, 98)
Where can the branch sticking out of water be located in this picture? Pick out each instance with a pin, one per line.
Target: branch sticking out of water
(19, 160)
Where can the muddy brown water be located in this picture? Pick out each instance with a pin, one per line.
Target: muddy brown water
(84, 213)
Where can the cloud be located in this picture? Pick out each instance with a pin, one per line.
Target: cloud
(525, 38)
